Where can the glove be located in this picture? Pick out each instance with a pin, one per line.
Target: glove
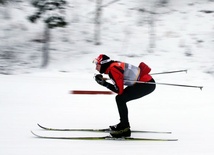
(99, 79)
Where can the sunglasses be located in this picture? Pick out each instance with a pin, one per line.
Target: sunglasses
(95, 61)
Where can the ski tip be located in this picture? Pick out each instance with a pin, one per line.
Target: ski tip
(40, 126)
(34, 133)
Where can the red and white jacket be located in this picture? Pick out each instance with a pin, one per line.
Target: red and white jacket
(122, 73)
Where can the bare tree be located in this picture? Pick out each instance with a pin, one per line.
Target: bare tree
(98, 14)
(152, 22)
(152, 34)
(49, 10)
(97, 30)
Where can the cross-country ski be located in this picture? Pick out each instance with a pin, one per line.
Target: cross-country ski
(98, 130)
(102, 138)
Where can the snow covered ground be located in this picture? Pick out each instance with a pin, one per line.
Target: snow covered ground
(43, 95)
(44, 98)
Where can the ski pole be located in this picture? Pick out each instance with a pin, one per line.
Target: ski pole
(169, 84)
(167, 72)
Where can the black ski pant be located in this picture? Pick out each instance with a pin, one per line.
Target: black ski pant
(133, 92)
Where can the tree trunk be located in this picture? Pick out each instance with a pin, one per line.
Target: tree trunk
(45, 50)
(97, 29)
(152, 28)
(152, 34)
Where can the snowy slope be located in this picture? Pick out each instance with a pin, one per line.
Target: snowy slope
(42, 96)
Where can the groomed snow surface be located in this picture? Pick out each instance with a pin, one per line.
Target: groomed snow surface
(44, 98)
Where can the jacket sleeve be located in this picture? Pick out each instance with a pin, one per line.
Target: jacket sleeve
(111, 87)
(116, 74)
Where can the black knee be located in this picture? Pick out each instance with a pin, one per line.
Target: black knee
(120, 99)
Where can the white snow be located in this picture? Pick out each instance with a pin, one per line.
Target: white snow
(42, 96)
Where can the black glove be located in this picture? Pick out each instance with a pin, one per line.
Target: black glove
(99, 79)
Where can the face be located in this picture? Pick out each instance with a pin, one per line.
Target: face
(98, 66)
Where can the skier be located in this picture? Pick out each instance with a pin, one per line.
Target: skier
(121, 74)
